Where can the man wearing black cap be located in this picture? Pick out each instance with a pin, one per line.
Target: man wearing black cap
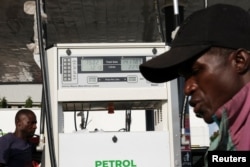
(211, 51)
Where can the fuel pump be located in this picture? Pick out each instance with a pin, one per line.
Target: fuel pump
(106, 77)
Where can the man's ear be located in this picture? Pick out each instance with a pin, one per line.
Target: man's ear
(17, 123)
(242, 61)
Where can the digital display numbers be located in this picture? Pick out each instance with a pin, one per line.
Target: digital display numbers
(92, 64)
(131, 64)
(110, 64)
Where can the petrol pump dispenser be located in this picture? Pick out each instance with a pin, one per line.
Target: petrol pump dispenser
(106, 77)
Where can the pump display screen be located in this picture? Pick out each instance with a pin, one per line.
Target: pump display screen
(92, 64)
(105, 67)
(108, 64)
(98, 71)
(131, 64)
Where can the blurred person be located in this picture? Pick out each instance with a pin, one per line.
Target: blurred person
(15, 148)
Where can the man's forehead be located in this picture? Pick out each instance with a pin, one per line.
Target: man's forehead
(27, 116)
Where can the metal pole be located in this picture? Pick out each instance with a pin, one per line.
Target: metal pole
(46, 101)
(176, 13)
(205, 3)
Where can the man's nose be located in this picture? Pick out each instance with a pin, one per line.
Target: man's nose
(34, 126)
(190, 86)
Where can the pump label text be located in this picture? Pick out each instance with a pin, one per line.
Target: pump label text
(115, 163)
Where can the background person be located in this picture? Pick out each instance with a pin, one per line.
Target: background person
(15, 148)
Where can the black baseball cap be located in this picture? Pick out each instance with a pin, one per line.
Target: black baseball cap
(220, 25)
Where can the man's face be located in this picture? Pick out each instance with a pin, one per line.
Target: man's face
(27, 124)
(210, 81)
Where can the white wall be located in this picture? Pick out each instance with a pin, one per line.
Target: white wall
(21, 92)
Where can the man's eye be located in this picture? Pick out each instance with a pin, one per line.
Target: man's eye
(195, 71)
(189, 73)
